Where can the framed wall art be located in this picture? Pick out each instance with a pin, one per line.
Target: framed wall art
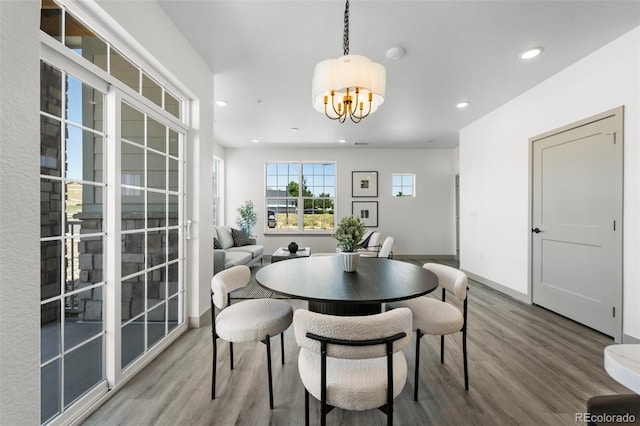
(367, 211)
(364, 184)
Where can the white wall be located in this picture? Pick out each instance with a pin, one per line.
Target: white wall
(423, 225)
(19, 212)
(494, 167)
(168, 49)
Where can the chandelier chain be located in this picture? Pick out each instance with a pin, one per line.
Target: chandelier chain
(345, 37)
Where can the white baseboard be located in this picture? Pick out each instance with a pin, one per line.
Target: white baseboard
(521, 297)
(629, 339)
(201, 321)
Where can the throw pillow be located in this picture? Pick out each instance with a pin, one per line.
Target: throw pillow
(240, 238)
(365, 241)
(216, 244)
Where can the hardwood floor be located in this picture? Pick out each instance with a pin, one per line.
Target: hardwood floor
(527, 366)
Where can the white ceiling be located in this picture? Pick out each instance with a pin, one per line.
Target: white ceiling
(263, 54)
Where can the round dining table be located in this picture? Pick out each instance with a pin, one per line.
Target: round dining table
(322, 281)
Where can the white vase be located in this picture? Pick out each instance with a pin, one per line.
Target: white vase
(350, 261)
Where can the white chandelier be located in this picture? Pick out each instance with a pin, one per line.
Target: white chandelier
(350, 86)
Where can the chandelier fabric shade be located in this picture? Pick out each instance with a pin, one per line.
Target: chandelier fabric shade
(355, 73)
(349, 86)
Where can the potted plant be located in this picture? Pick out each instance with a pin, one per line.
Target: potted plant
(348, 234)
(247, 217)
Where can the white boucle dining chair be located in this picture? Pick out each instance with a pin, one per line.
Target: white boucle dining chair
(353, 363)
(435, 317)
(373, 245)
(255, 320)
(386, 251)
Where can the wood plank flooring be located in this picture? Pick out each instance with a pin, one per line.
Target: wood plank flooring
(527, 366)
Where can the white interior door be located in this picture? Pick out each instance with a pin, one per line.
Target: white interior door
(577, 223)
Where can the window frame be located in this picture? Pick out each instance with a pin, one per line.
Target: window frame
(300, 200)
(57, 54)
(402, 186)
(218, 186)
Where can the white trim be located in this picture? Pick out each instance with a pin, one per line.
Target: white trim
(54, 52)
(108, 28)
(521, 297)
(113, 244)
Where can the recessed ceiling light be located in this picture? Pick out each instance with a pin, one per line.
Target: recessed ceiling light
(221, 103)
(294, 129)
(531, 53)
(255, 140)
(342, 140)
(462, 104)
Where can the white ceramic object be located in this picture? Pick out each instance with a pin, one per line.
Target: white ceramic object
(350, 261)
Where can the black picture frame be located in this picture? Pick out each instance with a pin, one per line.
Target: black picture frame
(364, 184)
(367, 211)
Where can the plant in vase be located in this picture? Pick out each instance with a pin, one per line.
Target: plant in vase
(247, 217)
(348, 234)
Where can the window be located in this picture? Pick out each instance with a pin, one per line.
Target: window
(403, 185)
(150, 200)
(86, 254)
(300, 197)
(67, 29)
(217, 186)
(72, 281)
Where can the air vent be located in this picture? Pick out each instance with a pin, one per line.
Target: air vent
(361, 143)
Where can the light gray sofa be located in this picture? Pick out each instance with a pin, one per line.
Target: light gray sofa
(232, 255)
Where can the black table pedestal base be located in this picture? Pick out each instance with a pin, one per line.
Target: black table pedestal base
(345, 309)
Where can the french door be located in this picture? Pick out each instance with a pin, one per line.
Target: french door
(112, 234)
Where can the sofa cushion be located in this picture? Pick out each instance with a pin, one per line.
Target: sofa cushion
(240, 238)
(254, 250)
(234, 258)
(224, 236)
(216, 244)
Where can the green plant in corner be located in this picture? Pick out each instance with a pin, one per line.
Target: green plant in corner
(247, 217)
(349, 233)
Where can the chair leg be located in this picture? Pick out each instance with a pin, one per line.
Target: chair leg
(416, 379)
(442, 349)
(267, 341)
(306, 407)
(213, 370)
(282, 346)
(231, 355)
(323, 416)
(464, 354)
(390, 407)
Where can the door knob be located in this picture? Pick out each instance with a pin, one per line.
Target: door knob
(536, 230)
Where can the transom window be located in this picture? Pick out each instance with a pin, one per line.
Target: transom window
(68, 30)
(300, 197)
(403, 185)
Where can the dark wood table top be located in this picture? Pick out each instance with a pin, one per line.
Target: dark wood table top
(322, 279)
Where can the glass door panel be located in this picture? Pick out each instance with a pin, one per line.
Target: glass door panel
(152, 230)
(72, 232)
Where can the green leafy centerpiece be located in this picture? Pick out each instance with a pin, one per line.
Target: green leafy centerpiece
(348, 234)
